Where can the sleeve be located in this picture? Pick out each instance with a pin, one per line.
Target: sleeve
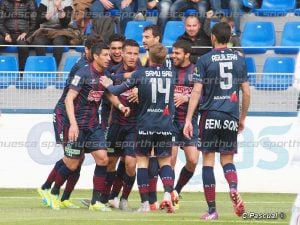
(105, 111)
(78, 80)
(32, 17)
(244, 73)
(3, 29)
(124, 86)
(199, 71)
(41, 15)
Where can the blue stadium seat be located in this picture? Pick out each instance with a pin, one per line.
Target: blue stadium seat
(69, 63)
(50, 49)
(112, 12)
(260, 34)
(152, 12)
(10, 49)
(251, 68)
(172, 31)
(39, 72)
(290, 36)
(249, 3)
(278, 74)
(8, 71)
(134, 30)
(275, 7)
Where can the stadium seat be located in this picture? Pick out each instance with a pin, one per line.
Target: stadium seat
(8, 71)
(251, 68)
(275, 7)
(290, 36)
(69, 63)
(260, 34)
(249, 3)
(152, 12)
(39, 72)
(134, 30)
(172, 31)
(278, 73)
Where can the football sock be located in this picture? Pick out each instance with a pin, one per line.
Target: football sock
(70, 185)
(184, 177)
(118, 182)
(166, 174)
(153, 177)
(110, 177)
(98, 181)
(61, 176)
(143, 185)
(230, 175)
(209, 185)
(51, 177)
(128, 182)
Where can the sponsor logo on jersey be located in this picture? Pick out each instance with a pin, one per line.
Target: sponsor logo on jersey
(233, 97)
(75, 80)
(183, 90)
(95, 95)
(155, 110)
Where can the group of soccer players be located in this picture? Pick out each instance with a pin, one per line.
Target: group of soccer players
(154, 111)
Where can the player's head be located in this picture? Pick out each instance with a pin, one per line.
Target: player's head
(151, 36)
(101, 57)
(130, 53)
(192, 26)
(115, 44)
(181, 52)
(220, 33)
(89, 42)
(157, 54)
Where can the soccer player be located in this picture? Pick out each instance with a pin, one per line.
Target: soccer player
(82, 132)
(219, 76)
(58, 123)
(121, 134)
(154, 122)
(181, 59)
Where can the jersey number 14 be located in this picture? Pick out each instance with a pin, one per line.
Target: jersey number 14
(157, 86)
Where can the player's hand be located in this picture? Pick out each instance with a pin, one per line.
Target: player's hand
(188, 129)
(105, 81)
(133, 97)
(179, 99)
(73, 132)
(241, 126)
(125, 111)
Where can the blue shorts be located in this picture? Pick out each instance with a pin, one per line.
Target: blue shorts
(59, 120)
(89, 140)
(218, 132)
(181, 140)
(121, 140)
(162, 143)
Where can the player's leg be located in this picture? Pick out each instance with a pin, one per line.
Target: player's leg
(295, 217)
(163, 151)
(228, 147)
(70, 185)
(130, 165)
(209, 185)
(99, 152)
(153, 178)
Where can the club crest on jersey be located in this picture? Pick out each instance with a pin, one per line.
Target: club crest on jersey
(95, 95)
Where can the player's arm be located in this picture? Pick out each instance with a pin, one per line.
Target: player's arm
(116, 103)
(245, 104)
(69, 104)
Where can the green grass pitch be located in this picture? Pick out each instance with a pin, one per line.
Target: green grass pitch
(24, 206)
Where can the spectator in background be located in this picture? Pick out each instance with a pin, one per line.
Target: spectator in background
(99, 7)
(181, 5)
(235, 7)
(196, 37)
(164, 8)
(53, 14)
(17, 22)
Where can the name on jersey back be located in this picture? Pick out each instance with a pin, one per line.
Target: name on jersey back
(158, 73)
(224, 57)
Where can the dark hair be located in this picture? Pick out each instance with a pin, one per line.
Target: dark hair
(130, 42)
(222, 32)
(185, 45)
(155, 30)
(116, 37)
(92, 39)
(98, 47)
